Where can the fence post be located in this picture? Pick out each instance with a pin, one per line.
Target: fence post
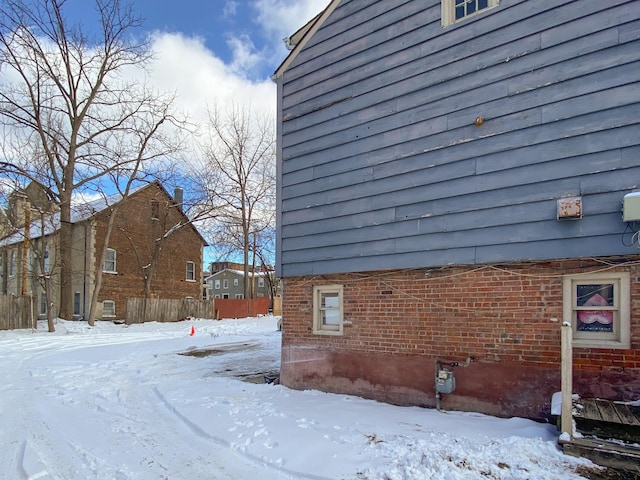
(566, 423)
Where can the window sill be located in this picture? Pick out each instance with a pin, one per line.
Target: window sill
(329, 332)
(109, 272)
(604, 344)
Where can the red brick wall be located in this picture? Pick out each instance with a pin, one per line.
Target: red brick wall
(133, 237)
(399, 323)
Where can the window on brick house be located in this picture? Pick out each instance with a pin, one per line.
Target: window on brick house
(155, 209)
(327, 310)
(108, 308)
(235, 282)
(598, 306)
(456, 10)
(191, 272)
(110, 261)
(217, 284)
(261, 282)
(12, 263)
(45, 260)
(76, 303)
(43, 303)
(225, 284)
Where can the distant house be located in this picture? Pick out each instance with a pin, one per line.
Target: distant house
(229, 283)
(451, 184)
(150, 233)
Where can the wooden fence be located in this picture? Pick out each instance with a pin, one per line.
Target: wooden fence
(277, 306)
(140, 310)
(17, 312)
(240, 308)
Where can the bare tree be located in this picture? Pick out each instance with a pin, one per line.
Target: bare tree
(239, 176)
(42, 248)
(72, 116)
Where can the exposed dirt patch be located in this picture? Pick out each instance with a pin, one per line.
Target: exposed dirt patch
(595, 473)
(219, 349)
(262, 377)
(238, 370)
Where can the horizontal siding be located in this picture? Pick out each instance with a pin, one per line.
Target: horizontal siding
(382, 166)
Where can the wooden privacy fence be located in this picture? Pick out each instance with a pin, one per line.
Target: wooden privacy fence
(277, 306)
(240, 308)
(140, 310)
(16, 312)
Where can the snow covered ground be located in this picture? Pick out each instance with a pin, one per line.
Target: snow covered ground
(125, 402)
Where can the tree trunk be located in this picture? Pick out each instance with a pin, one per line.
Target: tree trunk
(66, 260)
(99, 267)
(48, 296)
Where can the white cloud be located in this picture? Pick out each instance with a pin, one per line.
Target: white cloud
(230, 8)
(280, 19)
(246, 57)
(200, 79)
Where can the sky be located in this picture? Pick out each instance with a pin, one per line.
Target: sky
(215, 50)
(213, 53)
(153, 402)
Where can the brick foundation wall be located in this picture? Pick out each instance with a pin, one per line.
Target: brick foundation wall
(398, 323)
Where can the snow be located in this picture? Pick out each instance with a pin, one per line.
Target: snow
(151, 402)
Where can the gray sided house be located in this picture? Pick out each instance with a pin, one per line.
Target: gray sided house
(229, 283)
(451, 182)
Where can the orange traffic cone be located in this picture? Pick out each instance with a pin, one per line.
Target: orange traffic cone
(193, 331)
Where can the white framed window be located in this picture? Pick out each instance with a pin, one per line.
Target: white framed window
(191, 272)
(76, 303)
(155, 210)
(108, 308)
(110, 261)
(225, 284)
(217, 295)
(12, 263)
(43, 303)
(235, 282)
(239, 296)
(261, 282)
(327, 310)
(217, 284)
(455, 10)
(45, 260)
(598, 306)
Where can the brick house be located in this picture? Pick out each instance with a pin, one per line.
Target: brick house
(146, 217)
(451, 180)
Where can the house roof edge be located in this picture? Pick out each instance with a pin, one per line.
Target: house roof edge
(311, 28)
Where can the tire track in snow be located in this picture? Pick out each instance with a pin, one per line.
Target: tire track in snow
(256, 461)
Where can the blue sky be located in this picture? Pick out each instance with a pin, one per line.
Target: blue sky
(244, 34)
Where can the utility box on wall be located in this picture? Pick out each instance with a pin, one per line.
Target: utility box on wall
(445, 381)
(631, 207)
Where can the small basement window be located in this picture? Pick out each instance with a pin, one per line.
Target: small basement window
(598, 306)
(327, 310)
(108, 308)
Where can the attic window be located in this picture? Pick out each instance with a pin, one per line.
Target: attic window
(456, 10)
(155, 209)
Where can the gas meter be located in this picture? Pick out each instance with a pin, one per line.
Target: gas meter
(445, 381)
